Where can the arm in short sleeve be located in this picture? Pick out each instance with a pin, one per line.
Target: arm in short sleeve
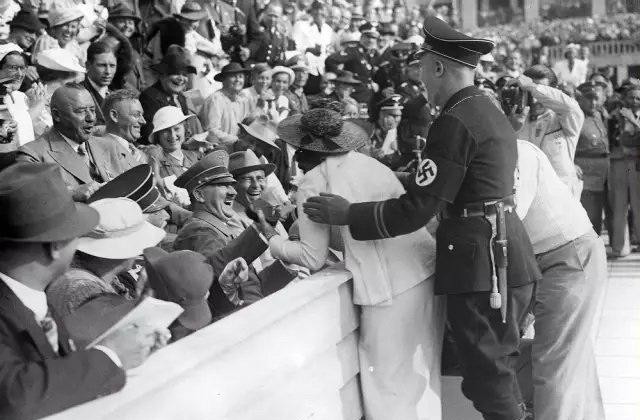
(450, 148)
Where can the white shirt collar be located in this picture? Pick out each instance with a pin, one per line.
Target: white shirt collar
(70, 142)
(122, 141)
(102, 90)
(35, 300)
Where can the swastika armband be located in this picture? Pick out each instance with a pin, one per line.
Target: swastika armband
(439, 177)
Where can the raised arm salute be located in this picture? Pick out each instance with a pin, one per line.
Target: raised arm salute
(466, 174)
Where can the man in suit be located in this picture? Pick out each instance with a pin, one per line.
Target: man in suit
(41, 373)
(101, 67)
(85, 161)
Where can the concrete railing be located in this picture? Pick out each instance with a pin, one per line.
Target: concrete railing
(606, 53)
(292, 355)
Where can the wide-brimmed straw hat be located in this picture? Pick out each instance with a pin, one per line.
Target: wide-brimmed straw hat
(122, 232)
(191, 10)
(36, 206)
(283, 69)
(183, 277)
(231, 68)
(265, 131)
(321, 130)
(247, 161)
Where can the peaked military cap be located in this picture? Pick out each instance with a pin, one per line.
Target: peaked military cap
(136, 184)
(442, 39)
(392, 103)
(211, 169)
(369, 29)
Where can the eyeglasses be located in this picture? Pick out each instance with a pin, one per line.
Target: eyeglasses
(16, 69)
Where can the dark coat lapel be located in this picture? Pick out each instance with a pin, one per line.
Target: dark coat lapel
(66, 157)
(13, 310)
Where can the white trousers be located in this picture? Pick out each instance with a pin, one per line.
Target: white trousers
(399, 348)
(565, 380)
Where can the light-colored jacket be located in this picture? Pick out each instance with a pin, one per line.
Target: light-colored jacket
(556, 132)
(381, 268)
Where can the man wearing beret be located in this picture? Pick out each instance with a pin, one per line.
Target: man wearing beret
(41, 373)
(467, 174)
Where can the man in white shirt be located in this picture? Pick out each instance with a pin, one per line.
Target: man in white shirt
(572, 70)
(554, 122)
(314, 37)
(573, 263)
(41, 373)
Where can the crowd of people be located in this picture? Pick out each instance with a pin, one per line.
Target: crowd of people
(183, 150)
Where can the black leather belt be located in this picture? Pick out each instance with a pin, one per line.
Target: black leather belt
(478, 209)
(592, 155)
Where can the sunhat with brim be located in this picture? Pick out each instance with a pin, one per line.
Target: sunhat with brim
(262, 131)
(231, 68)
(321, 130)
(123, 11)
(8, 48)
(192, 11)
(26, 20)
(122, 232)
(283, 69)
(211, 169)
(61, 15)
(175, 61)
(183, 277)
(347, 78)
(36, 206)
(59, 59)
(166, 117)
(244, 162)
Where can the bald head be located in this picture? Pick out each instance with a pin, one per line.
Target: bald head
(73, 112)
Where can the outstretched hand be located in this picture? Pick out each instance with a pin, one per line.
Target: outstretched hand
(328, 209)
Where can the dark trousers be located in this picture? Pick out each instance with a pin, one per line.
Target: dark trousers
(488, 350)
(593, 203)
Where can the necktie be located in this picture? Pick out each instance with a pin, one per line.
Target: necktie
(50, 329)
(93, 171)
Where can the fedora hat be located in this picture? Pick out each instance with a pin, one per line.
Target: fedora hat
(231, 68)
(191, 10)
(135, 184)
(283, 69)
(183, 277)
(27, 20)
(122, 10)
(347, 78)
(322, 130)
(36, 206)
(166, 117)
(263, 130)
(211, 169)
(177, 59)
(243, 162)
(59, 59)
(122, 233)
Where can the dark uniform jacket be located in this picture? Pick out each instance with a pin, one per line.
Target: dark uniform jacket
(207, 234)
(269, 46)
(470, 158)
(592, 152)
(361, 64)
(97, 100)
(34, 380)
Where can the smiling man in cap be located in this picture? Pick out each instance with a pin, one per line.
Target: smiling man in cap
(466, 173)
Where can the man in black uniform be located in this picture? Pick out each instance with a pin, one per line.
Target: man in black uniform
(361, 61)
(467, 174)
(270, 45)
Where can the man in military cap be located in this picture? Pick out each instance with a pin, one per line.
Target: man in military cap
(360, 60)
(270, 45)
(467, 174)
(392, 71)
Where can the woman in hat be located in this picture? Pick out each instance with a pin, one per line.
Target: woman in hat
(109, 250)
(401, 319)
(168, 157)
(345, 85)
(281, 79)
(173, 79)
(64, 26)
(227, 107)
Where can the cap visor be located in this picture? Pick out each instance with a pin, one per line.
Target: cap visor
(122, 247)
